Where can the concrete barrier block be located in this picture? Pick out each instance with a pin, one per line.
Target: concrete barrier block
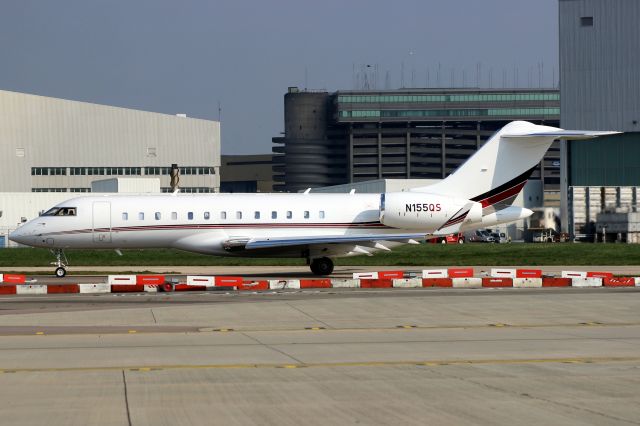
(1, 278)
(467, 282)
(284, 284)
(365, 275)
(407, 283)
(317, 283)
(460, 272)
(527, 282)
(390, 275)
(435, 273)
(528, 273)
(437, 282)
(207, 281)
(637, 280)
(31, 289)
(14, 278)
(150, 279)
(497, 282)
(503, 273)
(574, 274)
(151, 288)
(345, 283)
(122, 279)
(94, 288)
(586, 282)
(254, 285)
(224, 281)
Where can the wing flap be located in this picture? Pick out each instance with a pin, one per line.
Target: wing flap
(258, 243)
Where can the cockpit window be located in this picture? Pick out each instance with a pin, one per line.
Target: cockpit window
(60, 211)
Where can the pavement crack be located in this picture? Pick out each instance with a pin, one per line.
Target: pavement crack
(154, 316)
(273, 348)
(537, 398)
(126, 397)
(308, 315)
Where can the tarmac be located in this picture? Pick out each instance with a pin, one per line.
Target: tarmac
(364, 356)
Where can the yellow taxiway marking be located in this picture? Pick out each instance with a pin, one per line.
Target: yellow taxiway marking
(39, 333)
(428, 363)
(132, 331)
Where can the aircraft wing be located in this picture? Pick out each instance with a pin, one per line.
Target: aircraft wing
(258, 243)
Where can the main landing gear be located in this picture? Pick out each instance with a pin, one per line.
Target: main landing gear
(321, 266)
(60, 263)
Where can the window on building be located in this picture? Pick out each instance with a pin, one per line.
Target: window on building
(238, 215)
(256, 215)
(174, 215)
(190, 215)
(274, 215)
(141, 216)
(306, 214)
(158, 215)
(586, 21)
(125, 216)
(206, 215)
(321, 214)
(223, 215)
(289, 214)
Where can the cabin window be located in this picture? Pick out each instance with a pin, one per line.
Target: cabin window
(306, 214)
(256, 215)
(174, 215)
(158, 215)
(206, 215)
(238, 215)
(223, 215)
(321, 214)
(274, 215)
(190, 215)
(141, 216)
(289, 214)
(125, 216)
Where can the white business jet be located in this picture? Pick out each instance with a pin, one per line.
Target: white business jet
(317, 227)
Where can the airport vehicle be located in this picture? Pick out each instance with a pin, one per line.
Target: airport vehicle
(317, 227)
(481, 236)
(449, 239)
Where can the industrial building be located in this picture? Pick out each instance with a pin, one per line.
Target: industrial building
(600, 90)
(354, 136)
(246, 173)
(57, 145)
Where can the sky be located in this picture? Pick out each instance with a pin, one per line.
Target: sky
(234, 60)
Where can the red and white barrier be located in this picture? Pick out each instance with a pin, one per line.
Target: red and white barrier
(619, 282)
(467, 282)
(497, 282)
(14, 278)
(284, 284)
(527, 282)
(381, 275)
(437, 282)
(594, 274)
(150, 279)
(31, 289)
(435, 273)
(637, 280)
(460, 272)
(503, 273)
(94, 288)
(407, 283)
(528, 273)
(586, 282)
(207, 281)
(574, 274)
(345, 283)
(122, 280)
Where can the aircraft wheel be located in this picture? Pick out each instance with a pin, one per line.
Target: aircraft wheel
(61, 272)
(322, 266)
(461, 241)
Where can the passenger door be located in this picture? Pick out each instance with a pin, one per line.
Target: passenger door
(102, 222)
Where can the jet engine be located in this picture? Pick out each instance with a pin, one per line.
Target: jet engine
(431, 213)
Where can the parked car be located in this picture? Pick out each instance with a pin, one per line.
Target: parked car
(481, 236)
(499, 237)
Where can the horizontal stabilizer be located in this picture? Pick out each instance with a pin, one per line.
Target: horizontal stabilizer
(563, 134)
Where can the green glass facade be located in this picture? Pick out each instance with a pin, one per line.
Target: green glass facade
(607, 161)
(484, 97)
(481, 112)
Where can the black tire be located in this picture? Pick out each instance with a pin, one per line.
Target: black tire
(60, 272)
(321, 266)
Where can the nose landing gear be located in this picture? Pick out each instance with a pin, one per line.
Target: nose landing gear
(321, 266)
(60, 263)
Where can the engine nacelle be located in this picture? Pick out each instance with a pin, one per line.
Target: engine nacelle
(427, 212)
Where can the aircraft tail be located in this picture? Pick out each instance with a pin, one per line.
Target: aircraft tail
(498, 171)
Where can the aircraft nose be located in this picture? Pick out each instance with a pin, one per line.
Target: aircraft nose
(21, 235)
